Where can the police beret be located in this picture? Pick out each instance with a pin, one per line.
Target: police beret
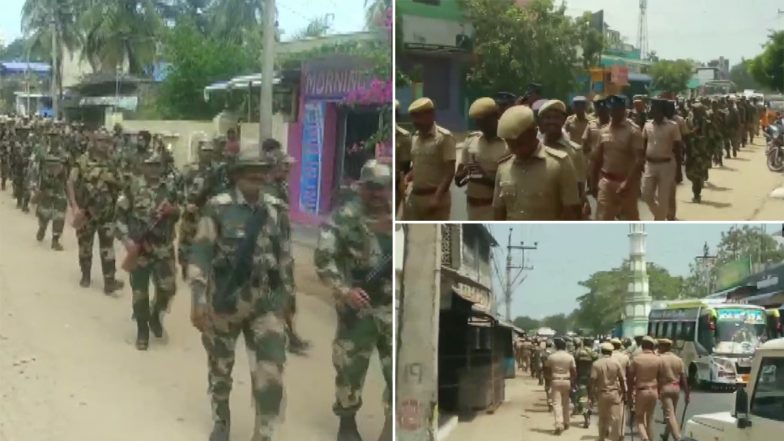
(421, 105)
(649, 339)
(607, 347)
(615, 342)
(553, 105)
(616, 101)
(482, 108)
(515, 121)
(665, 341)
(579, 99)
(505, 97)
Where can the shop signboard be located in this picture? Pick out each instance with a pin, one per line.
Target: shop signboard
(335, 78)
(312, 148)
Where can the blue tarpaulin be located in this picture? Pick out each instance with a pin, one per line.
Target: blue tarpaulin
(17, 67)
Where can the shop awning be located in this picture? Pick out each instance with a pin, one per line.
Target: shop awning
(243, 82)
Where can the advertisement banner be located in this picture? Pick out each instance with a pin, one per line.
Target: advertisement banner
(732, 273)
(312, 147)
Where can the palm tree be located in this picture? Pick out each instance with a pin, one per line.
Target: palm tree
(120, 31)
(172, 11)
(231, 19)
(40, 18)
(318, 27)
(375, 12)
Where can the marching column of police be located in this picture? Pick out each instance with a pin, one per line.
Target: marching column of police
(529, 161)
(622, 380)
(228, 213)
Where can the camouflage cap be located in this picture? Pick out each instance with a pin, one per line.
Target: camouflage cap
(374, 172)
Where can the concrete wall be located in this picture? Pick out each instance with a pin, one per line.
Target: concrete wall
(183, 131)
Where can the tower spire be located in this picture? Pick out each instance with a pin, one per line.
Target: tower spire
(637, 304)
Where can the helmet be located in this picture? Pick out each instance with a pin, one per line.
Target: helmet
(374, 172)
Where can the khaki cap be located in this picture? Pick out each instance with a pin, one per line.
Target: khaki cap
(421, 105)
(607, 347)
(515, 121)
(553, 105)
(649, 339)
(615, 342)
(397, 104)
(665, 341)
(482, 108)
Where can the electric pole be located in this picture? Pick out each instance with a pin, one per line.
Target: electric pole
(513, 282)
(55, 103)
(706, 263)
(267, 70)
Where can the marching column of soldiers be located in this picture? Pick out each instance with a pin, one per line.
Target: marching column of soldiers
(622, 380)
(225, 221)
(529, 161)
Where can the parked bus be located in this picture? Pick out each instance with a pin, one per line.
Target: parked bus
(716, 340)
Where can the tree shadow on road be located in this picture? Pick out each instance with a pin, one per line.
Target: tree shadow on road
(727, 168)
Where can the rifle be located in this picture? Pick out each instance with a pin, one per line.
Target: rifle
(143, 245)
(228, 280)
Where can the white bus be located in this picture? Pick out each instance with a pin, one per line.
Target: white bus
(716, 340)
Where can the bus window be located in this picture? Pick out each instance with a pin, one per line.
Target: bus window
(665, 330)
(650, 328)
(675, 332)
(705, 333)
(687, 331)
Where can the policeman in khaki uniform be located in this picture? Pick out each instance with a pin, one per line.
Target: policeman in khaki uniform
(577, 124)
(617, 161)
(662, 141)
(561, 368)
(534, 182)
(402, 156)
(433, 155)
(672, 380)
(608, 389)
(644, 374)
(478, 160)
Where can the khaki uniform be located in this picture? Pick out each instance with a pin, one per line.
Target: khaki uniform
(660, 166)
(608, 379)
(486, 153)
(671, 370)
(619, 148)
(686, 130)
(561, 364)
(576, 128)
(431, 155)
(536, 188)
(576, 155)
(646, 369)
(402, 154)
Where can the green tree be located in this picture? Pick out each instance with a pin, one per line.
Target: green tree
(173, 11)
(741, 76)
(515, 46)
(591, 39)
(601, 307)
(197, 61)
(17, 50)
(561, 323)
(318, 27)
(232, 20)
(671, 76)
(526, 323)
(119, 31)
(376, 12)
(768, 67)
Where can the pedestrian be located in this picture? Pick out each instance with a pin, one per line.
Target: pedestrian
(402, 157)
(551, 120)
(716, 143)
(534, 182)
(698, 154)
(533, 93)
(561, 369)
(616, 164)
(662, 139)
(478, 158)
(354, 259)
(48, 192)
(94, 184)
(645, 372)
(147, 215)
(608, 389)
(433, 157)
(577, 124)
(672, 382)
(238, 267)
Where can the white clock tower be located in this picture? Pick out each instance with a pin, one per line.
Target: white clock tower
(637, 304)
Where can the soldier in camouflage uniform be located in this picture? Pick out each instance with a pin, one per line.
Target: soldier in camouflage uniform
(584, 357)
(146, 216)
(239, 269)
(48, 188)
(733, 124)
(195, 177)
(93, 188)
(6, 136)
(716, 142)
(698, 157)
(20, 159)
(353, 258)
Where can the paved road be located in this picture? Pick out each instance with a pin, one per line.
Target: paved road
(69, 370)
(738, 191)
(701, 402)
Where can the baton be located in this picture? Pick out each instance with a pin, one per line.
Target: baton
(683, 415)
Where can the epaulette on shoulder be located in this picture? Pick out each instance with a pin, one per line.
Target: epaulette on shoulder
(402, 131)
(474, 134)
(221, 199)
(505, 158)
(555, 152)
(443, 131)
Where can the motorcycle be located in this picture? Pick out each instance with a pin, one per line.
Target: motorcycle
(774, 138)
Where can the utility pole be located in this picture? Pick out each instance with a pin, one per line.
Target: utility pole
(55, 97)
(706, 263)
(267, 70)
(512, 282)
(416, 391)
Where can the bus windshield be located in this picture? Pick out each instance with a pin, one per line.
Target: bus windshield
(738, 331)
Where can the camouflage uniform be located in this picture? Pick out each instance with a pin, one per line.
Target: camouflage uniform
(97, 187)
(5, 153)
(258, 298)
(20, 158)
(584, 358)
(732, 130)
(353, 253)
(48, 183)
(195, 179)
(138, 220)
(716, 138)
(698, 158)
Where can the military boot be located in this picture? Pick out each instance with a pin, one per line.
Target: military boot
(39, 236)
(56, 244)
(220, 432)
(155, 322)
(111, 285)
(141, 311)
(386, 431)
(85, 282)
(348, 429)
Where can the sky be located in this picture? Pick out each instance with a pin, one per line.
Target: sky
(568, 254)
(699, 29)
(349, 16)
